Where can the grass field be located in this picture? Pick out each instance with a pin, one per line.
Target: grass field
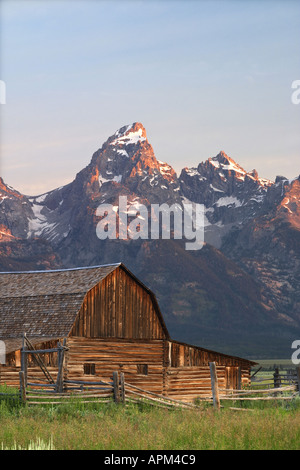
(77, 426)
(115, 427)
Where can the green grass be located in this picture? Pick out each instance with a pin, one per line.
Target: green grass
(77, 426)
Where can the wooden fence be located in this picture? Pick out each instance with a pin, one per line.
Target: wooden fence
(277, 379)
(59, 391)
(117, 391)
(72, 390)
(283, 387)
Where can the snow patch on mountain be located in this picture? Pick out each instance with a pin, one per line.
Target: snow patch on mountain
(39, 225)
(122, 152)
(228, 201)
(103, 180)
(130, 138)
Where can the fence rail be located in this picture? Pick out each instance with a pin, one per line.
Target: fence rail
(72, 390)
(136, 394)
(285, 386)
(267, 393)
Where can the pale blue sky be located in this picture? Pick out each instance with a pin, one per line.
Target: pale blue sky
(202, 76)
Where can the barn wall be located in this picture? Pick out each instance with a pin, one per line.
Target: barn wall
(9, 375)
(189, 383)
(118, 307)
(129, 357)
(188, 374)
(183, 382)
(182, 354)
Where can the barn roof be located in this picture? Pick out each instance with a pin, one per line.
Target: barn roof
(45, 303)
(55, 282)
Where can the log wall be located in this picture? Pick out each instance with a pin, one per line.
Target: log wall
(9, 375)
(148, 365)
(142, 362)
(189, 383)
(185, 355)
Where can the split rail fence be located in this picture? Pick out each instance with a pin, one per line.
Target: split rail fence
(119, 391)
(285, 387)
(60, 391)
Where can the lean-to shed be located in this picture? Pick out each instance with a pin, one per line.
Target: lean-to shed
(111, 322)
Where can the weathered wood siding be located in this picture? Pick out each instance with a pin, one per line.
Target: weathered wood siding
(188, 374)
(189, 383)
(134, 357)
(9, 375)
(126, 356)
(119, 307)
(185, 355)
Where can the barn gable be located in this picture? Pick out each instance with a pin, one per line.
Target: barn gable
(103, 301)
(120, 307)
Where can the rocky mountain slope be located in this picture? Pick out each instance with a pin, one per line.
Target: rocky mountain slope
(17, 252)
(240, 293)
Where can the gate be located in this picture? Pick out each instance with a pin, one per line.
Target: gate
(44, 376)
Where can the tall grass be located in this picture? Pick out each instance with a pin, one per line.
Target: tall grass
(39, 444)
(77, 426)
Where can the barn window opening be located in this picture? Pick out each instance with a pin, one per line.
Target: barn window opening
(89, 368)
(142, 369)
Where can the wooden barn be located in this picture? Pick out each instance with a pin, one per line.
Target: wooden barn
(111, 322)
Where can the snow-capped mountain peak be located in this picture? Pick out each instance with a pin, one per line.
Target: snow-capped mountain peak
(126, 164)
(224, 163)
(129, 135)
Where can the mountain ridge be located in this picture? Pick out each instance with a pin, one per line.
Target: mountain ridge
(242, 214)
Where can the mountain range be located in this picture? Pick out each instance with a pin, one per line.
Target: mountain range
(239, 294)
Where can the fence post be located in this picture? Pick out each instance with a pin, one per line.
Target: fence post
(24, 359)
(122, 388)
(298, 378)
(116, 387)
(60, 360)
(276, 379)
(22, 387)
(214, 385)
